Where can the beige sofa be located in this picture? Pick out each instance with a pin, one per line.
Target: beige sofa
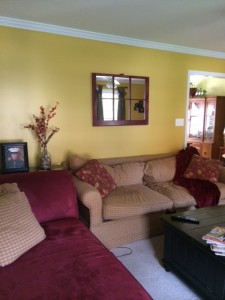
(144, 192)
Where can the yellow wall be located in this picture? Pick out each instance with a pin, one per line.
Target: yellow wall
(213, 86)
(40, 68)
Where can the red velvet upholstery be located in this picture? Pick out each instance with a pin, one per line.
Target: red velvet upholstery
(50, 193)
(70, 264)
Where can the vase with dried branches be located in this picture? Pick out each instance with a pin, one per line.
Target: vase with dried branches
(44, 133)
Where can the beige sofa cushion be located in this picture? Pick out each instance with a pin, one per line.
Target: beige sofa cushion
(133, 200)
(179, 195)
(76, 162)
(6, 188)
(203, 168)
(122, 174)
(127, 173)
(19, 229)
(160, 170)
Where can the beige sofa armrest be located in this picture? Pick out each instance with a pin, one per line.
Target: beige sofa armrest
(222, 175)
(91, 198)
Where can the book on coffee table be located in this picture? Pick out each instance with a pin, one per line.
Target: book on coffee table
(216, 239)
(218, 250)
(216, 246)
(220, 253)
(217, 235)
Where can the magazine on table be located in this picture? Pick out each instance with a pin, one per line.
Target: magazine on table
(220, 253)
(217, 244)
(217, 235)
(217, 248)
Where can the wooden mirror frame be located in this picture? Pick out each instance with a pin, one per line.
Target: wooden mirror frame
(135, 99)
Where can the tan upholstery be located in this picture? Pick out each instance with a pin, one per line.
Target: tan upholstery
(76, 162)
(120, 232)
(133, 200)
(7, 188)
(19, 229)
(144, 192)
(179, 196)
(91, 198)
(127, 173)
(160, 170)
(123, 231)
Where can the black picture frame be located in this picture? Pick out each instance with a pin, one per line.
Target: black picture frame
(14, 157)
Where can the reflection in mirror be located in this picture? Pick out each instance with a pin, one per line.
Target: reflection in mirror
(119, 99)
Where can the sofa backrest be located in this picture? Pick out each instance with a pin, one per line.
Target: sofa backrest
(160, 170)
(75, 162)
(124, 170)
(126, 173)
(51, 193)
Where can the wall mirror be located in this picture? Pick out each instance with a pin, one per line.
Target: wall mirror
(119, 99)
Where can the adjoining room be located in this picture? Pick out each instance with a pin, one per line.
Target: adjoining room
(112, 150)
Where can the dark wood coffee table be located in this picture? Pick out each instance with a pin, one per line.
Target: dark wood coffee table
(186, 253)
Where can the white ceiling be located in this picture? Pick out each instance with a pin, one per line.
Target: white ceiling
(179, 25)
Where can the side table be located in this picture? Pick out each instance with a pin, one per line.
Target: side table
(53, 167)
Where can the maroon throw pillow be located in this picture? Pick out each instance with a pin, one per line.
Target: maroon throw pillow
(96, 175)
(203, 168)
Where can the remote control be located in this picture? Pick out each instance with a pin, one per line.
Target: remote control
(185, 219)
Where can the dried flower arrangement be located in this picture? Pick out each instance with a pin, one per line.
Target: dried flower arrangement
(41, 126)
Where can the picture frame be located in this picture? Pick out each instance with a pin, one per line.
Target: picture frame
(14, 157)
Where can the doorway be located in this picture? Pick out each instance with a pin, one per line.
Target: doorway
(213, 84)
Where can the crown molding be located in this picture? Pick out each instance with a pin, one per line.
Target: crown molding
(43, 27)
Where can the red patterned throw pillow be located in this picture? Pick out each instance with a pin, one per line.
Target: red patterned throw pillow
(96, 175)
(203, 168)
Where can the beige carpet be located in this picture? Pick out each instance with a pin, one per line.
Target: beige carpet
(145, 263)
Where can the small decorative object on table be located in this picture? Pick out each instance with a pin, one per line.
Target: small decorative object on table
(192, 90)
(14, 157)
(216, 239)
(44, 134)
(45, 159)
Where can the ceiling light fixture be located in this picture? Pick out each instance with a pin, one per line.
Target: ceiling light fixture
(110, 83)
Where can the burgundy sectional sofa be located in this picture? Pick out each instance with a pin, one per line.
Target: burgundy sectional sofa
(70, 263)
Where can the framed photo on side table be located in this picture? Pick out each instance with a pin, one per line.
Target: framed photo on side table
(14, 157)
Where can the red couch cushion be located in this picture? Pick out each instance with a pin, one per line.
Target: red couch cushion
(69, 264)
(51, 193)
(203, 168)
(96, 175)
